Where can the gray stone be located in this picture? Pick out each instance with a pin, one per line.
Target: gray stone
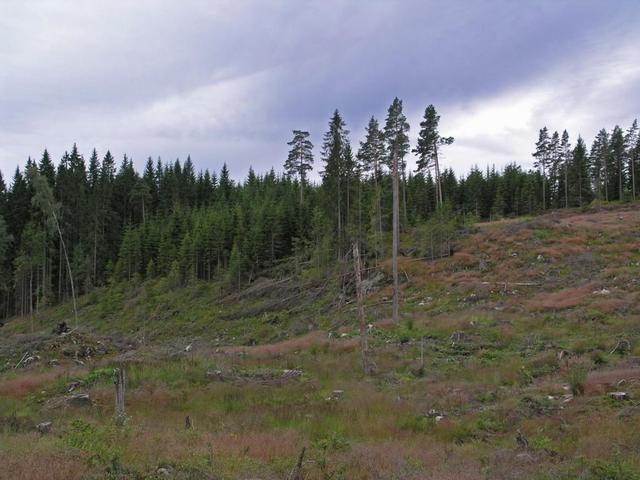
(44, 427)
(79, 400)
(620, 396)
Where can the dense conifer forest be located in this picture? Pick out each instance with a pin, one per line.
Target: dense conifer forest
(87, 221)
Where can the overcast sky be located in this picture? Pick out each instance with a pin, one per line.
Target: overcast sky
(227, 81)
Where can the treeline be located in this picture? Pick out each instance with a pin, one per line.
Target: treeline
(114, 223)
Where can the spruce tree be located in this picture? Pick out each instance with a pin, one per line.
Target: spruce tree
(631, 140)
(580, 173)
(599, 155)
(334, 146)
(617, 157)
(371, 156)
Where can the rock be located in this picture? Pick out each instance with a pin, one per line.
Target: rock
(602, 291)
(439, 418)
(164, 472)
(291, 373)
(61, 328)
(336, 394)
(53, 362)
(619, 396)
(567, 398)
(44, 427)
(79, 400)
(70, 387)
(521, 440)
(540, 258)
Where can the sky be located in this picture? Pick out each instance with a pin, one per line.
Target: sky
(227, 81)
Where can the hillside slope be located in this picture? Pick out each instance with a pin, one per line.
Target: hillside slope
(502, 367)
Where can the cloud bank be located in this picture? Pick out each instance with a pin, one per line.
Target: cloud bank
(227, 81)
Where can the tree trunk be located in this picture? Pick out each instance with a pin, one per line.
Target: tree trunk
(633, 178)
(396, 240)
(378, 209)
(361, 318)
(405, 217)
(566, 184)
(437, 172)
(119, 381)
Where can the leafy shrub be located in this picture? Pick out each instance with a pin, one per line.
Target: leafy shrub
(416, 423)
(544, 445)
(98, 442)
(97, 375)
(617, 469)
(536, 405)
(333, 441)
(577, 378)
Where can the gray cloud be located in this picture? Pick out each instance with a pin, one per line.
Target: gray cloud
(228, 80)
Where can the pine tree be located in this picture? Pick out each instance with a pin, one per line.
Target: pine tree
(542, 162)
(300, 159)
(395, 131)
(555, 167)
(565, 161)
(429, 141)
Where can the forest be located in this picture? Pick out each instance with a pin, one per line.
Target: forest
(66, 229)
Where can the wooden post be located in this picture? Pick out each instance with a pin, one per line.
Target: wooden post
(360, 295)
(119, 381)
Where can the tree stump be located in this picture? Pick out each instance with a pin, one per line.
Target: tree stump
(119, 382)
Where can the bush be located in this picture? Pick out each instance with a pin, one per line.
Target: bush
(577, 378)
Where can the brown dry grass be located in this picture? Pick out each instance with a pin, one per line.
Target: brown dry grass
(603, 381)
(29, 382)
(563, 299)
(317, 338)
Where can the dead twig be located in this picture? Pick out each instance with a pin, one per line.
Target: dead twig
(296, 473)
(21, 360)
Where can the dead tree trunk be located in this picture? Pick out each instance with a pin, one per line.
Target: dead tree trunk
(361, 318)
(119, 381)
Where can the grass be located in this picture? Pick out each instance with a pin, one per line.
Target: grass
(446, 408)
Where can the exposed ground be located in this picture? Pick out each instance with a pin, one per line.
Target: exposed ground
(526, 331)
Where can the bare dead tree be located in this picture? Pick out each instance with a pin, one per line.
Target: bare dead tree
(119, 381)
(43, 198)
(364, 344)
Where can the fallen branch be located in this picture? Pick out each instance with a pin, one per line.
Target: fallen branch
(296, 473)
(21, 360)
